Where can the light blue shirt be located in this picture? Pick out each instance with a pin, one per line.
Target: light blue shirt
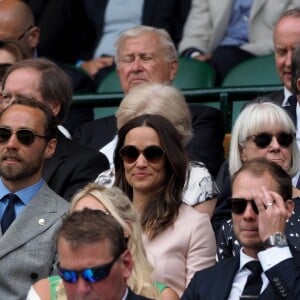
(237, 32)
(25, 196)
(120, 15)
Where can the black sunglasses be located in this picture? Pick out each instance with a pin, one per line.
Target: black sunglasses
(25, 136)
(152, 153)
(90, 275)
(263, 140)
(238, 205)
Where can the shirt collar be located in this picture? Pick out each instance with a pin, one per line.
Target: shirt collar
(25, 194)
(287, 94)
(244, 259)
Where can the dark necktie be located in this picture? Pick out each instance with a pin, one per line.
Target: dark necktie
(9, 213)
(254, 281)
(292, 108)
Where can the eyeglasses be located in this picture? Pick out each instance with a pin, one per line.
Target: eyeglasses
(263, 140)
(24, 33)
(25, 136)
(152, 153)
(90, 275)
(238, 205)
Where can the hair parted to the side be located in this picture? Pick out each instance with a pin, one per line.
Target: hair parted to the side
(259, 166)
(163, 209)
(50, 124)
(55, 85)
(165, 41)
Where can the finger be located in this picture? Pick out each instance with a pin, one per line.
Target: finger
(258, 199)
(268, 199)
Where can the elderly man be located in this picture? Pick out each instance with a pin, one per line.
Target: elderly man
(265, 268)
(30, 212)
(147, 54)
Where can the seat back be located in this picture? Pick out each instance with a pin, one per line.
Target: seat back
(194, 74)
(110, 84)
(257, 71)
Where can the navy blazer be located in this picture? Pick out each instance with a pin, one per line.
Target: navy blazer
(215, 283)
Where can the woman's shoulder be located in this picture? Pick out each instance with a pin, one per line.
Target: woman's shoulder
(188, 212)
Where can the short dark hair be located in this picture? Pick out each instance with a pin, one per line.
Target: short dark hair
(295, 69)
(162, 211)
(55, 85)
(50, 125)
(260, 166)
(90, 226)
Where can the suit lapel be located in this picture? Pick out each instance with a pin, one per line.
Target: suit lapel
(256, 6)
(36, 218)
(225, 275)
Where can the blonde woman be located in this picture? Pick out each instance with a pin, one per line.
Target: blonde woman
(114, 202)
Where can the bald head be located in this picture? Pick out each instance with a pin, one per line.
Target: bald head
(17, 22)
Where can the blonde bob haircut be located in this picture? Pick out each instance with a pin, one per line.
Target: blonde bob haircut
(250, 121)
(157, 99)
(120, 207)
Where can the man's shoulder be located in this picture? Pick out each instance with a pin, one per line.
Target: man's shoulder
(133, 296)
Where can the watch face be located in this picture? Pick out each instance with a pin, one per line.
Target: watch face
(279, 239)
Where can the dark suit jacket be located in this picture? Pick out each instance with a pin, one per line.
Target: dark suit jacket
(133, 296)
(206, 145)
(78, 25)
(72, 166)
(215, 282)
(27, 249)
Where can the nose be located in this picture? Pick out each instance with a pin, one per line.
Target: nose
(249, 213)
(274, 143)
(141, 161)
(136, 64)
(82, 287)
(13, 142)
(288, 58)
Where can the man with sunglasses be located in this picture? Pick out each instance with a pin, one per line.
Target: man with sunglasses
(30, 212)
(94, 262)
(261, 204)
(72, 165)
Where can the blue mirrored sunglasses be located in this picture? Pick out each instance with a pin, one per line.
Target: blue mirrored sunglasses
(90, 275)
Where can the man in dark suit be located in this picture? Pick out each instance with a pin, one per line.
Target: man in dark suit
(94, 266)
(30, 212)
(261, 203)
(147, 54)
(72, 165)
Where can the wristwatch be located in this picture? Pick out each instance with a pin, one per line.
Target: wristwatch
(277, 239)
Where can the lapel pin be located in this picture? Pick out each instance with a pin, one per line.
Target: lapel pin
(42, 222)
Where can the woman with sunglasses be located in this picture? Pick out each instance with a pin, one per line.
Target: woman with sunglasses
(150, 164)
(262, 129)
(200, 189)
(114, 202)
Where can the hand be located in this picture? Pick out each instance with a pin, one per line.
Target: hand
(203, 57)
(94, 65)
(272, 212)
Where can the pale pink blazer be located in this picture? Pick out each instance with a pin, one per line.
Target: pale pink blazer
(182, 249)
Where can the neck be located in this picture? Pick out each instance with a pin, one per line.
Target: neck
(140, 201)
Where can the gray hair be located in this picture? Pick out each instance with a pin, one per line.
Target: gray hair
(250, 121)
(166, 44)
(157, 99)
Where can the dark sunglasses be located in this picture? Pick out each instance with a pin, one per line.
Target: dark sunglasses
(263, 140)
(238, 205)
(130, 154)
(25, 136)
(90, 275)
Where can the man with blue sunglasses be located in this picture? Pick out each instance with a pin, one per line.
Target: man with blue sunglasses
(94, 262)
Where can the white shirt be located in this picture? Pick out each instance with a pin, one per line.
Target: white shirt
(267, 258)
